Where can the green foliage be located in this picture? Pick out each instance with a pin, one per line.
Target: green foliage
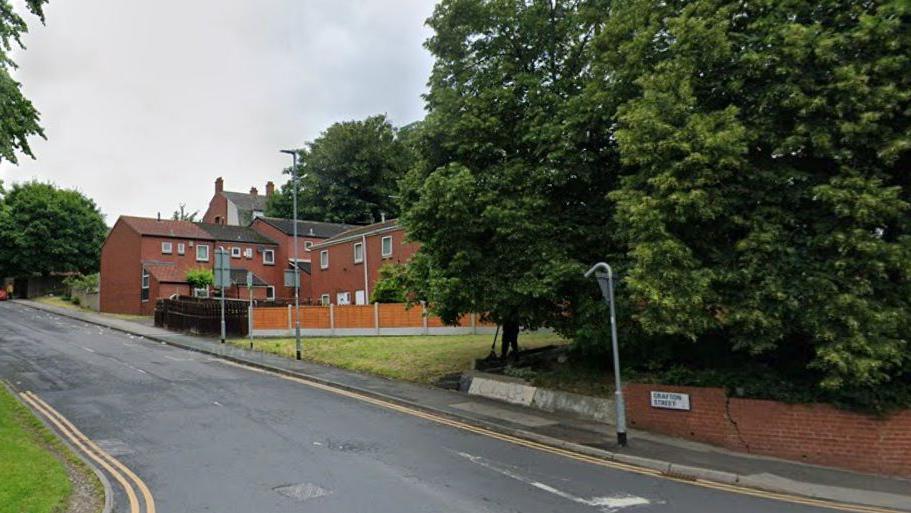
(83, 283)
(349, 174)
(200, 278)
(391, 286)
(507, 197)
(18, 117)
(182, 214)
(45, 230)
(743, 166)
(765, 193)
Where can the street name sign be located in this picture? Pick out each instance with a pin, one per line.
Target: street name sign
(670, 400)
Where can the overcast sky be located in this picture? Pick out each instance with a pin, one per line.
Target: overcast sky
(145, 103)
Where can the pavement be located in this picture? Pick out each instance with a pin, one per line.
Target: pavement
(207, 435)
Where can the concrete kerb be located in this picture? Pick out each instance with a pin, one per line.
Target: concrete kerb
(683, 472)
(102, 478)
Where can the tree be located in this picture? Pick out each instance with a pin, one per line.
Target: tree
(18, 117)
(183, 215)
(765, 198)
(508, 195)
(200, 278)
(349, 174)
(44, 230)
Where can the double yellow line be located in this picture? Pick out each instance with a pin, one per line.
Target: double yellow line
(115, 468)
(439, 419)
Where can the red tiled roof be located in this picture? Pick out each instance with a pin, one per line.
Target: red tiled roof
(361, 231)
(168, 272)
(165, 227)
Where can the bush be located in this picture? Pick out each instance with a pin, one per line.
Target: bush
(82, 283)
(200, 278)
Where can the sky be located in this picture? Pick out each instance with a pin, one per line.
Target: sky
(145, 103)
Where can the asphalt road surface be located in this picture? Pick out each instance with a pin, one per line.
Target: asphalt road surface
(209, 436)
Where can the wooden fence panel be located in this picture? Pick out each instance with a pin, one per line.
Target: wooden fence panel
(315, 317)
(397, 315)
(354, 316)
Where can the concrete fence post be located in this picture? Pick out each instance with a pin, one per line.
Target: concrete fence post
(289, 319)
(376, 317)
(332, 319)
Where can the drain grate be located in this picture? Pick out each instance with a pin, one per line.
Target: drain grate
(302, 491)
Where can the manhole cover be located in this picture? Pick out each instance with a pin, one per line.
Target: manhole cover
(302, 492)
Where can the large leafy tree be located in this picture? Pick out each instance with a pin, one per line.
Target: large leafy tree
(44, 229)
(349, 174)
(766, 149)
(508, 196)
(18, 117)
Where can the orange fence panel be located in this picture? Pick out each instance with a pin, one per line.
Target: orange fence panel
(354, 316)
(270, 318)
(397, 315)
(315, 317)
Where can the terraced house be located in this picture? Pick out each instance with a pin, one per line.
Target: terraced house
(144, 259)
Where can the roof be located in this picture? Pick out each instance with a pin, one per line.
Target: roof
(165, 227)
(305, 228)
(167, 272)
(246, 201)
(361, 231)
(228, 233)
(239, 277)
(302, 265)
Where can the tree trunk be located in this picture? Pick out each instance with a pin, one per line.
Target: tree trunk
(510, 339)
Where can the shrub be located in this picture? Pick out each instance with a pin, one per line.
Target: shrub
(200, 278)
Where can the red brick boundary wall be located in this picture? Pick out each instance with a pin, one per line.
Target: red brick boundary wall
(813, 433)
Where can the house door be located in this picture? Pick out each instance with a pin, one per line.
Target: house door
(360, 298)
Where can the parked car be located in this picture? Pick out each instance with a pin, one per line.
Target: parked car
(3, 295)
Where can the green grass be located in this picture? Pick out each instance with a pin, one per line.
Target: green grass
(412, 358)
(32, 479)
(63, 303)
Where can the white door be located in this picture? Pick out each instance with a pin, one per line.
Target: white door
(360, 298)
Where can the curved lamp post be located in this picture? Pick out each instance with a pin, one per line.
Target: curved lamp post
(605, 277)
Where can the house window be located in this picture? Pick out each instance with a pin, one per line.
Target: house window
(181, 248)
(343, 298)
(358, 252)
(144, 296)
(202, 252)
(235, 252)
(269, 256)
(270, 293)
(324, 300)
(166, 248)
(386, 246)
(203, 292)
(324, 259)
(257, 214)
(248, 252)
(308, 244)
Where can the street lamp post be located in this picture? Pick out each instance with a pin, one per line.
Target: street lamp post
(297, 319)
(605, 278)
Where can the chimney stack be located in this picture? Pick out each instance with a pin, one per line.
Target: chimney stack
(253, 191)
(219, 185)
(270, 189)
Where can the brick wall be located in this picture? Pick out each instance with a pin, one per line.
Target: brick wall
(813, 433)
(121, 271)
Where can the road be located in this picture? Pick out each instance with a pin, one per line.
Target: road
(209, 436)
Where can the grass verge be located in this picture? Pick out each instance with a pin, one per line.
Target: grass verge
(63, 303)
(422, 359)
(36, 467)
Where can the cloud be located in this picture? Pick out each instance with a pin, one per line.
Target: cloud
(146, 103)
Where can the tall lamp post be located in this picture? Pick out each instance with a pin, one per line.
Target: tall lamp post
(605, 278)
(297, 315)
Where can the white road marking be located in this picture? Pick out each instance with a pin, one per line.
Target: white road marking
(216, 403)
(605, 504)
(169, 357)
(88, 349)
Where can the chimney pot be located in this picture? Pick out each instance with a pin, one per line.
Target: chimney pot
(219, 185)
(270, 188)
(253, 191)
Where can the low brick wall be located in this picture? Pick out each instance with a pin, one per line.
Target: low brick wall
(813, 433)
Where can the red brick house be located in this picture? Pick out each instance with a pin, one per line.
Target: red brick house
(236, 208)
(346, 266)
(144, 259)
(308, 234)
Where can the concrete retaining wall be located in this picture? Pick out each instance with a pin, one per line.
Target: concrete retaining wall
(517, 391)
